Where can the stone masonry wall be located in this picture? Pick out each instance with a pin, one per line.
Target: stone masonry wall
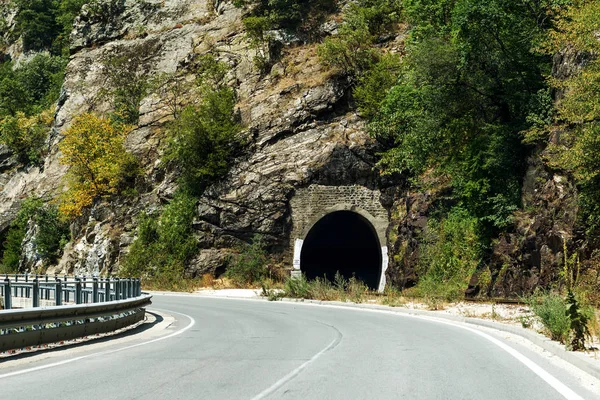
(315, 201)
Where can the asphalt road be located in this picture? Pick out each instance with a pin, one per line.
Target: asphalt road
(236, 349)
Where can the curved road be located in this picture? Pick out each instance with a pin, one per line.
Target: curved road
(236, 349)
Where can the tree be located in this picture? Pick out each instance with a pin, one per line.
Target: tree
(25, 136)
(93, 148)
(204, 137)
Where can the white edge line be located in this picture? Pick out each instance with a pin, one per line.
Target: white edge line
(70, 360)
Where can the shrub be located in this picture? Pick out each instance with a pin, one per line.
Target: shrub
(33, 86)
(297, 287)
(36, 23)
(51, 236)
(126, 85)
(25, 136)
(449, 256)
(250, 265)
(291, 15)
(46, 24)
(94, 150)
(204, 139)
(551, 309)
(579, 322)
(164, 244)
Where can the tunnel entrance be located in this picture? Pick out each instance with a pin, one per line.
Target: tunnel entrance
(342, 241)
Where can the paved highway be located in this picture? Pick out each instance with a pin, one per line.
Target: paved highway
(249, 349)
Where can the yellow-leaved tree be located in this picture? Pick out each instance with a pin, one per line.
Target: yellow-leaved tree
(94, 150)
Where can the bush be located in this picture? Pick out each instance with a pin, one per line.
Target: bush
(94, 150)
(32, 87)
(551, 309)
(25, 136)
(204, 139)
(450, 254)
(298, 287)
(46, 24)
(126, 85)
(164, 245)
(323, 289)
(51, 236)
(292, 15)
(249, 267)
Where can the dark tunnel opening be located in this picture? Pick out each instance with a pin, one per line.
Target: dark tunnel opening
(342, 241)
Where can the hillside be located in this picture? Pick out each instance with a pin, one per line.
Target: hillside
(171, 138)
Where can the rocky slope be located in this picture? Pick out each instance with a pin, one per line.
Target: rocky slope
(300, 129)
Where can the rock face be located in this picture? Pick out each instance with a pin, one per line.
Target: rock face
(299, 130)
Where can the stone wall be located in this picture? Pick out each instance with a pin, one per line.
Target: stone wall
(312, 203)
(315, 201)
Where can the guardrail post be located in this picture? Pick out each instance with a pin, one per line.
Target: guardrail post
(27, 289)
(139, 287)
(84, 292)
(47, 290)
(7, 294)
(107, 289)
(95, 291)
(58, 292)
(77, 290)
(36, 293)
(129, 288)
(117, 289)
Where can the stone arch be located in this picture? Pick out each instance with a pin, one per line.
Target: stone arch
(348, 235)
(312, 203)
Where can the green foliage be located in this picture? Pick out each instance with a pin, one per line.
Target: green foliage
(579, 111)
(165, 243)
(204, 137)
(46, 24)
(32, 87)
(450, 255)
(127, 85)
(323, 289)
(293, 15)
(579, 322)
(374, 84)
(352, 51)
(25, 136)
(250, 265)
(469, 85)
(551, 309)
(49, 239)
(37, 24)
(298, 287)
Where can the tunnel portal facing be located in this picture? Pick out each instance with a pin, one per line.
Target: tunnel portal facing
(343, 241)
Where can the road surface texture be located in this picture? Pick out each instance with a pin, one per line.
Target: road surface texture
(210, 348)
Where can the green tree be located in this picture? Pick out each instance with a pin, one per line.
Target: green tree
(51, 235)
(463, 98)
(204, 137)
(165, 242)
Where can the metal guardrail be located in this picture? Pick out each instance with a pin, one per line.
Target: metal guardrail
(98, 305)
(65, 289)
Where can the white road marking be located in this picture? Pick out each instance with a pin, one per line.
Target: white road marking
(557, 385)
(70, 360)
(270, 390)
